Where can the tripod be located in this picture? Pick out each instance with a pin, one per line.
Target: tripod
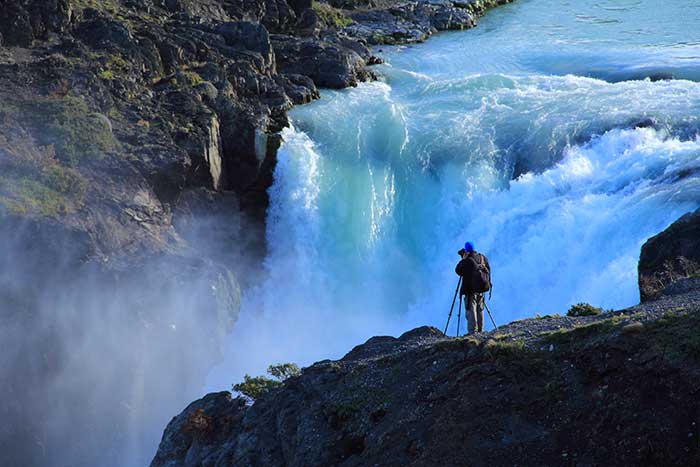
(459, 311)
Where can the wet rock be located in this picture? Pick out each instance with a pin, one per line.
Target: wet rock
(300, 88)
(669, 257)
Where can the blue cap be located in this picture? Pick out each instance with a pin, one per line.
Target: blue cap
(468, 247)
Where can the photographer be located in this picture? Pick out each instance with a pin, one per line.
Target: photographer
(476, 279)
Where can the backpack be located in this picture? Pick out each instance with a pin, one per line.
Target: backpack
(476, 276)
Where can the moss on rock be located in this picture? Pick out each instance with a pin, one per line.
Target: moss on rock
(331, 16)
(68, 124)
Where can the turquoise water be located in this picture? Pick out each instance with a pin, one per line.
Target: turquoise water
(538, 136)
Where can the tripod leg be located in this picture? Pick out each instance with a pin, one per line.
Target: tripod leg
(459, 282)
(459, 314)
(490, 315)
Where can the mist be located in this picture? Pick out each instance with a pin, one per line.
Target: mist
(97, 357)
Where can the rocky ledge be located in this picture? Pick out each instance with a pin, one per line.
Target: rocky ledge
(617, 388)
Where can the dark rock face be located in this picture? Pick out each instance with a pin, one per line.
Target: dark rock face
(670, 257)
(23, 21)
(328, 65)
(533, 393)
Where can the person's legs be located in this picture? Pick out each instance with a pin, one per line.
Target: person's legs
(479, 299)
(470, 312)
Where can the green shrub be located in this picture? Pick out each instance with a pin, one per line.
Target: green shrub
(67, 124)
(331, 16)
(107, 75)
(497, 349)
(583, 309)
(255, 387)
(284, 371)
(192, 78)
(25, 195)
(32, 180)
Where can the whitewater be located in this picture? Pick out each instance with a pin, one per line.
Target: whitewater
(557, 137)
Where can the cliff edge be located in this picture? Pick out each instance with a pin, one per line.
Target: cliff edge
(617, 388)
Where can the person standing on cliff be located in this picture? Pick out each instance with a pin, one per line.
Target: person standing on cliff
(475, 271)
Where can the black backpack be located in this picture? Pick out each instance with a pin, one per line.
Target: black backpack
(476, 276)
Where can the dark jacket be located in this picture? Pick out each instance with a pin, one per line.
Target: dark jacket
(462, 266)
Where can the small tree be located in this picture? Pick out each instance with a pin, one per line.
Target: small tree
(284, 371)
(583, 309)
(255, 387)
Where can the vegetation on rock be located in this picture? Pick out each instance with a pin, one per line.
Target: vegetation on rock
(32, 180)
(331, 16)
(68, 124)
(583, 309)
(257, 386)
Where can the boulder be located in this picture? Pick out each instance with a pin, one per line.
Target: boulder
(198, 431)
(328, 65)
(246, 35)
(100, 31)
(669, 257)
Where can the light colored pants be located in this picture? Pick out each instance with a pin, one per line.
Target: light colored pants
(474, 309)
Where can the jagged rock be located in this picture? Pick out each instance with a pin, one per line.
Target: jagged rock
(669, 257)
(209, 9)
(101, 31)
(279, 16)
(327, 64)
(248, 36)
(196, 434)
(26, 20)
(309, 23)
(299, 88)
(300, 5)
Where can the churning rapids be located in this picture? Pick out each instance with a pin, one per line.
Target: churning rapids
(557, 136)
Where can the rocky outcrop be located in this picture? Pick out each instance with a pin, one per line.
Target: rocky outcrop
(670, 257)
(329, 65)
(547, 391)
(408, 22)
